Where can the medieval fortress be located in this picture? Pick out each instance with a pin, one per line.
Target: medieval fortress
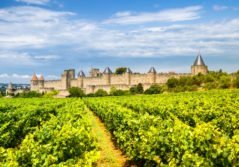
(106, 80)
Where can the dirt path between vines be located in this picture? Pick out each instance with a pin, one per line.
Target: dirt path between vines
(110, 156)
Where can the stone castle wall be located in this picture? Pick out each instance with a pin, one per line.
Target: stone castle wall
(105, 81)
(56, 84)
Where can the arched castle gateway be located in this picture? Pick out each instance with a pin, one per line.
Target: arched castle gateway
(106, 79)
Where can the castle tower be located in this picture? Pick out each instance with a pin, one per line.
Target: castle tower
(199, 66)
(41, 81)
(128, 76)
(95, 72)
(129, 73)
(152, 74)
(66, 78)
(34, 83)
(107, 75)
(10, 89)
(80, 78)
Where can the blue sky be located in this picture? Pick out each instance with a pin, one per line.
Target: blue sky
(48, 36)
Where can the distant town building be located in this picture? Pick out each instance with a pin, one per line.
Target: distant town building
(107, 79)
(12, 91)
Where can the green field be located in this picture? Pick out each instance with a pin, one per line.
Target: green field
(178, 129)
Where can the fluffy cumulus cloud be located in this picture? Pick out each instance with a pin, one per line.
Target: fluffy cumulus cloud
(16, 58)
(25, 30)
(29, 27)
(171, 15)
(36, 2)
(33, 35)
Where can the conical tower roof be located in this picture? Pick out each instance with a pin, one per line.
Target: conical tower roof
(152, 70)
(81, 74)
(107, 71)
(199, 61)
(41, 78)
(34, 77)
(128, 70)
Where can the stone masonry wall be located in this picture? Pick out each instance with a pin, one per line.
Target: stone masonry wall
(56, 84)
(106, 81)
(119, 79)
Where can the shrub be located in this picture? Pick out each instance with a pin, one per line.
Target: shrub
(101, 93)
(118, 92)
(138, 89)
(29, 94)
(236, 80)
(225, 82)
(154, 89)
(90, 95)
(172, 83)
(211, 85)
(51, 94)
(76, 92)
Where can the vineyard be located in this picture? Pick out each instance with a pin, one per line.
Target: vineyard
(183, 129)
(46, 132)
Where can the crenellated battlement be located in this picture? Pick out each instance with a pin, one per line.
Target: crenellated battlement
(107, 79)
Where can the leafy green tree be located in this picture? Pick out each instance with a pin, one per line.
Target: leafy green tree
(154, 89)
(182, 81)
(225, 82)
(172, 83)
(140, 88)
(120, 70)
(209, 78)
(101, 93)
(133, 90)
(198, 79)
(76, 92)
(137, 89)
(112, 90)
(236, 80)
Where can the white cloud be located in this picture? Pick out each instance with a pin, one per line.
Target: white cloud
(30, 27)
(22, 78)
(13, 58)
(170, 15)
(35, 2)
(223, 8)
(32, 37)
(214, 38)
(123, 14)
(45, 57)
(220, 8)
(27, 30)
(16, 78)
